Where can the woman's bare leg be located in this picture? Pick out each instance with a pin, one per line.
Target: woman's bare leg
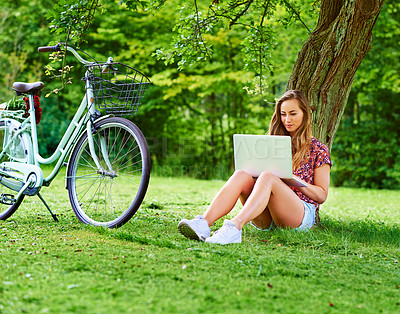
(240, 184)
(262, 221)
(272, 195)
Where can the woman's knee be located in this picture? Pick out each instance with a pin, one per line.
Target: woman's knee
(242, 177)
(268, 176)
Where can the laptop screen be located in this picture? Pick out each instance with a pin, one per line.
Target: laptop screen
(257, 153)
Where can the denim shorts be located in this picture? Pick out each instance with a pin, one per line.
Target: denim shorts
(309, 217)
(306, 224)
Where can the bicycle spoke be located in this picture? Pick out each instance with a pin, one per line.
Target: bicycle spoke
(91, 198)
(130, 165)
(117, 160)
(88, 188)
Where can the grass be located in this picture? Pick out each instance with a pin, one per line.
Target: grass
(349, 265)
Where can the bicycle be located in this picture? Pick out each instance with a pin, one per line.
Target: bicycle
(108, 167)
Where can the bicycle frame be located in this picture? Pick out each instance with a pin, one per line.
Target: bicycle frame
(81, 121)
(76, 127)
(107, 157)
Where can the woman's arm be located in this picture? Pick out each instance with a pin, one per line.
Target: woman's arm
(319, 190)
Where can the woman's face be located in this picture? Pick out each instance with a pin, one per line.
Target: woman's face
(291, 115)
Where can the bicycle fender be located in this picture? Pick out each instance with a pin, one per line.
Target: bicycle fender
(13, 129)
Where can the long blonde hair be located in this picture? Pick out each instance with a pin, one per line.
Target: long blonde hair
(302, 136)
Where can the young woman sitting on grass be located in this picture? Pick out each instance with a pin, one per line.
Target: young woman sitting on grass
(267, 201)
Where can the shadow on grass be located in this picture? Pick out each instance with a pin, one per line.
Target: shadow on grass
(333, 236)
(148, 235)
(160, 231)
(363, 231)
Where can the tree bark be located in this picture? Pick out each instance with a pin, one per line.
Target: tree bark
(327, 63)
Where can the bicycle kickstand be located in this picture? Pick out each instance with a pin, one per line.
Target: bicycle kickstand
(48, 208)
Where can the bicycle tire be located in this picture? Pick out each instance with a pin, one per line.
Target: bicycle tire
(103, 199)
(7, 210)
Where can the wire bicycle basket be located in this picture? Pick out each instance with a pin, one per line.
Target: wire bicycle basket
(117, 88)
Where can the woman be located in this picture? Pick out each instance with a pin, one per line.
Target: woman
(267, 200)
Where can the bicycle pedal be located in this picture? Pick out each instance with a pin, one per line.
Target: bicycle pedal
(7, 199)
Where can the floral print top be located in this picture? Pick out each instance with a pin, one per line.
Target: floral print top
(317, 156)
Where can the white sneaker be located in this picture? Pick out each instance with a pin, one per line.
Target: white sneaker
(196, 229)
(228, 233)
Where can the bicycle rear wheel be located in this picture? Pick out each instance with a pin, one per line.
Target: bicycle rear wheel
(109, 196)
(18, 151)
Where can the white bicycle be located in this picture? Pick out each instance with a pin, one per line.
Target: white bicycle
(108, 162)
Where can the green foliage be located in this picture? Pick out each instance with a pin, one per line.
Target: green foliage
(21, 24)
(253, 19)
(188, 116)
(52, 126)
(16, 103)
(23, 30)
(367, 151)
(189, 40)
(72, 17)
(146, 266)
(196, 23)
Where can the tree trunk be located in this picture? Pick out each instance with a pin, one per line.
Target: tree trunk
(327, 63)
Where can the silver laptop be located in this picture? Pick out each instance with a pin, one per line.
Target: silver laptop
(257, 153)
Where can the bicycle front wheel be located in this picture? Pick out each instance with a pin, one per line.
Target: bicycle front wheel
(111, 195)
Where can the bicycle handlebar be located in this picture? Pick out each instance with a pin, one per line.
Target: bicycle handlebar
(49, 48)
(58, 48)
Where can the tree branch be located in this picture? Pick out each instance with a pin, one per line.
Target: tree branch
(298, 15)
(260, 49)
(198, 31)
(265, 13)
(241, 13)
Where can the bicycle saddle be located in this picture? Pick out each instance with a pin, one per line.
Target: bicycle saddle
(28, 88)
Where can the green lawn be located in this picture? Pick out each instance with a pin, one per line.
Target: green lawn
(351, 264)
